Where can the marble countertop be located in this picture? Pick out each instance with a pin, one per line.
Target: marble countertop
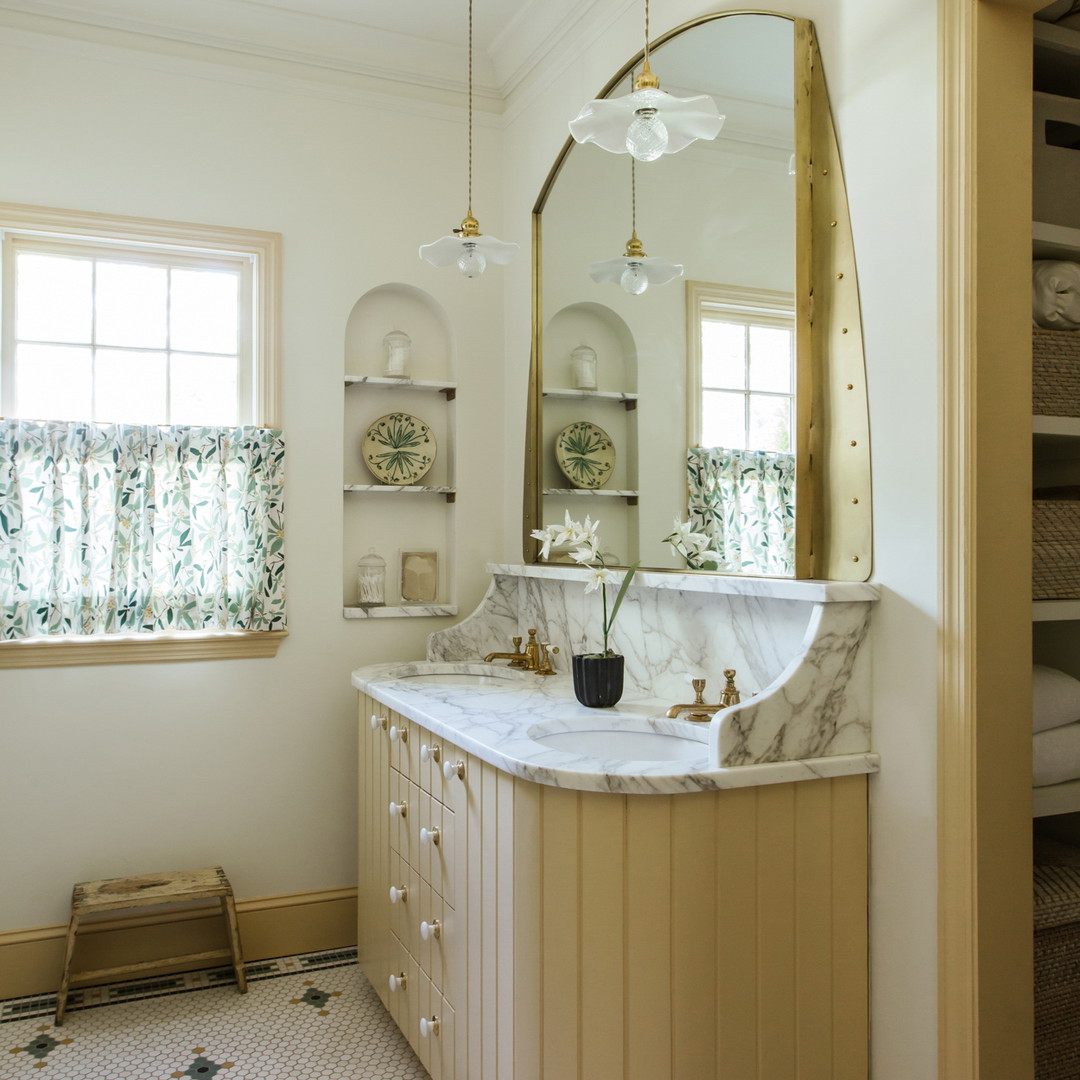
(503, 715)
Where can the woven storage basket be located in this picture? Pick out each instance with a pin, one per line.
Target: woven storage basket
(1055, 548)
(1057, 972)
(1055, 372)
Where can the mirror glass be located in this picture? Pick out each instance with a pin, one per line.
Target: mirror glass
(639, 390)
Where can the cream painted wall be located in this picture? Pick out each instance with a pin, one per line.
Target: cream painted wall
(880, 62)
(115, 770)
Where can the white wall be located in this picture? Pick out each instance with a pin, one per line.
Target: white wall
(880, 64)
(114, 770)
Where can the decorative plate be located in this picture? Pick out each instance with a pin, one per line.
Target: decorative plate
(585, 453)
(398, 448)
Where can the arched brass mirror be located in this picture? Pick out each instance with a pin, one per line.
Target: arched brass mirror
(732, 398)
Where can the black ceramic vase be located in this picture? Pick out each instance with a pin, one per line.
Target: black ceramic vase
(598, 680)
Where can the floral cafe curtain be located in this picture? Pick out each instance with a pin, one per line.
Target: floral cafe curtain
(744, 501)
(127, 528)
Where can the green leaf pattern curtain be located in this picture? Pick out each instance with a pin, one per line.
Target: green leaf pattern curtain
(132, 528)
(744, 501)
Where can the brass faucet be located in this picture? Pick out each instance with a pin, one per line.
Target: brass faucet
(517, 658)
(698, 711)
(536, 655)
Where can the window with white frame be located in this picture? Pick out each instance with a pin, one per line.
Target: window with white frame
(742, 368)
(137, 468)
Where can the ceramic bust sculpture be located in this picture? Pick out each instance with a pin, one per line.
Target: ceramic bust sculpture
(1055, 294)
(398, 345)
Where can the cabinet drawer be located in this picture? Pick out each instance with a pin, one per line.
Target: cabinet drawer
(405, 739)
(436, 846)
(434, 1039)
(403, 812)
(402, 902)
(402, 986)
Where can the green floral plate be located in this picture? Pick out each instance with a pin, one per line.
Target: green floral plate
(398, 449)
(585, 453)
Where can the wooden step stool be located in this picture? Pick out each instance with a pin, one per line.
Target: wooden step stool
(150, 890)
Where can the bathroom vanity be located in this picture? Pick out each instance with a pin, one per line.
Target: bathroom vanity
(550, 891)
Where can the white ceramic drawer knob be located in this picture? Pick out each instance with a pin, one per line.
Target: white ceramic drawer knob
(429, 930)
(399, 892)
(430, 753)
(451, 769)
(399, 734)
(399, 809)
(398, 982)
(429, 1027)
(430, 836)
(379, 722)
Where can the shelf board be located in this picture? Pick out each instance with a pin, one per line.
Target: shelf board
(1055, 610)
(628, 400)
(1054, 241)
(386, 382)
(406, 489)
(1061, 798)
(630, 496)
(1068, 426)
(399, 611)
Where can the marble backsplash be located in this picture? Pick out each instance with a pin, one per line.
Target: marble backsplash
(797, 645)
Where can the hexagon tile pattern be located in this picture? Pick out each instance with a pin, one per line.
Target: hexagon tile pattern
(197, 1026)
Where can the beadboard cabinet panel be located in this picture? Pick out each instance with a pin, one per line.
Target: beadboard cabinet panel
(618, 937)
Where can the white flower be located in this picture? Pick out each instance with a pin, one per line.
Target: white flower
(545, 536)
(567, 533)
(599, 576)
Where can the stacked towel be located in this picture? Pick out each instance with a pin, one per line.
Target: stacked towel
(1055, 717)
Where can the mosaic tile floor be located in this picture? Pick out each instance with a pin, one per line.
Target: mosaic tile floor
(309, 1017)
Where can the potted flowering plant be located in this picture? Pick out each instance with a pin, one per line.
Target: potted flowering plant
(598, 677)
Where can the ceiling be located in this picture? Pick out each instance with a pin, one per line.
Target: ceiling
(417, 41)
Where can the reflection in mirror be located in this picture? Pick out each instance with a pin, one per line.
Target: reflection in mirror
(695, 383)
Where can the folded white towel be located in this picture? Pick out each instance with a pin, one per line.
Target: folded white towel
(1055, 755)
(1055, 698)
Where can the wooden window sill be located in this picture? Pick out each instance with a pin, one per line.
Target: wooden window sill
(141, 648)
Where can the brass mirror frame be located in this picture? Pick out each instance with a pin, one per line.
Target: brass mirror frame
(833, 517)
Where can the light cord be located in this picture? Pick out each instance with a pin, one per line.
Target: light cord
(633, 196)
(646, 34)
(471, 104)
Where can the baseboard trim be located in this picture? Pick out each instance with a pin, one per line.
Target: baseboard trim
(281, 925)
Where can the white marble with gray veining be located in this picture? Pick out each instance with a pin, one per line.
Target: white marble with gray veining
(798, 648)
(496, 712)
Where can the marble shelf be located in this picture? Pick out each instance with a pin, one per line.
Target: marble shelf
(399, 611)
(387, 382)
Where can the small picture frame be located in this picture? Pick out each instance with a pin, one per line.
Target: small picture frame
(419, 576)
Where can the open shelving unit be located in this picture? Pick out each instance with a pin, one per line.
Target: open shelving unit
(388, 518)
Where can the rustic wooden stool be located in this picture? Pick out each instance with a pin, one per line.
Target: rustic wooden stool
(118, 894)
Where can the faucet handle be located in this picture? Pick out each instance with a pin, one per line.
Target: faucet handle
(730, 695)
(699, 691)
(546, 651)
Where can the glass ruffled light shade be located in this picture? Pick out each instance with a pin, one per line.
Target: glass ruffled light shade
(647, 123)
(634, 273)
(471, 253)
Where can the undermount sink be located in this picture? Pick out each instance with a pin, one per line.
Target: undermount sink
(456, 674)
(622, 738)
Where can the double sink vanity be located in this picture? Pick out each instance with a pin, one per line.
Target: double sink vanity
(554, 891)
(551, 892)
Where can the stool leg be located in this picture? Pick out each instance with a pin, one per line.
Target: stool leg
(65, 978)
(228, 906)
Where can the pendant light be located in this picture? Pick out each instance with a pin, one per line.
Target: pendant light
(468, 247)
(649, 122)
(634, 270)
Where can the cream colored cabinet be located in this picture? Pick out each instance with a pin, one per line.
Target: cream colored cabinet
(554, 934)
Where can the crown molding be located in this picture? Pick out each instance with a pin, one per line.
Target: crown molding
(26, 32)
(239, 33)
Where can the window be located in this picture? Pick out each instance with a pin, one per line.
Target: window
(136, 367)
(742, 368)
